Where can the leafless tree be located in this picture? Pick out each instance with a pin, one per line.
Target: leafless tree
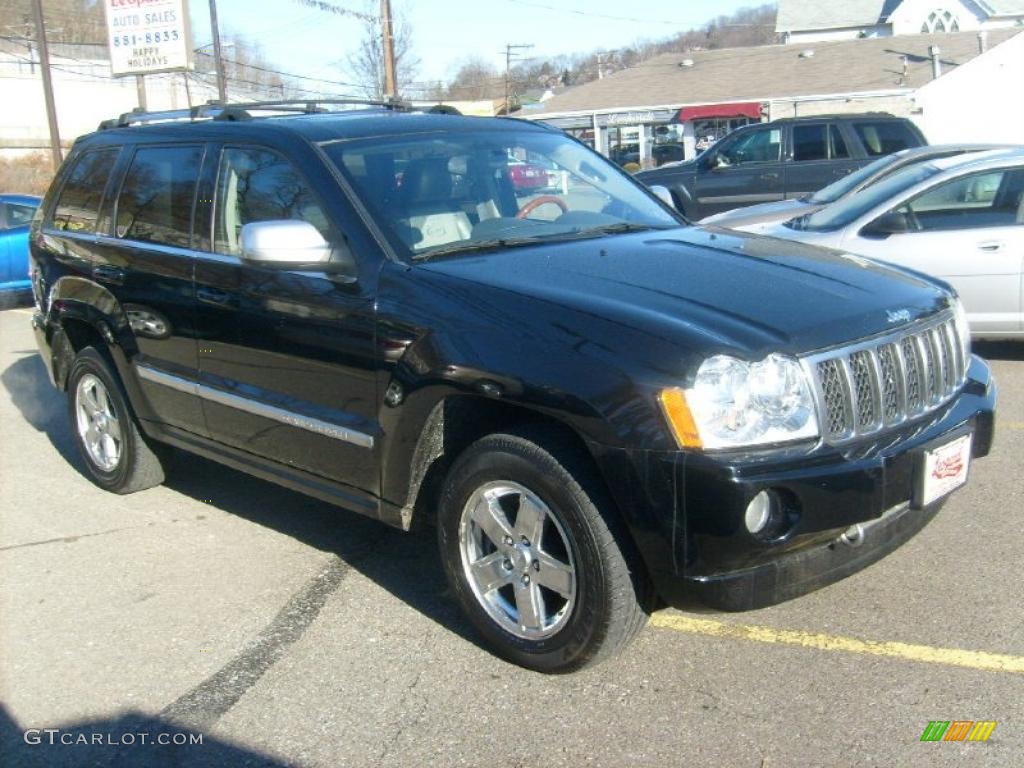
(366, 64)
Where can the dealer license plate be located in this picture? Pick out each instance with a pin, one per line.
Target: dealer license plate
(944, 469)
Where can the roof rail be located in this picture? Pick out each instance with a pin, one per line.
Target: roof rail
(215, 110)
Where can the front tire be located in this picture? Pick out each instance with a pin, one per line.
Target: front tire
(116, 455)
(536, 555)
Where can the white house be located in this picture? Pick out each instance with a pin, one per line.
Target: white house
(807, 21)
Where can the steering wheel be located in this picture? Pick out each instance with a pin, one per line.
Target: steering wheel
(537, 202)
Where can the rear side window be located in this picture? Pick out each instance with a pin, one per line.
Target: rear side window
(155, 204)
(260, 185)
(817, 142)
(810, 142)
(884, 138)
(78, 206)
(19, 215)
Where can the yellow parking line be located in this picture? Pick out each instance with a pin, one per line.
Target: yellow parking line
(951, 657)
(1010, 424)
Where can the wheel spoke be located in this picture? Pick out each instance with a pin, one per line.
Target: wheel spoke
(530, 520)
(89, 401)
(489, 573)
(492, 520)
(103, 400)
(554, 574)
(92, 437)
(109, 448)
(114, 428)
(530, 604)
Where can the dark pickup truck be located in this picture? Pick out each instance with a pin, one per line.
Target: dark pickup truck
(783, 159)
(600, 408)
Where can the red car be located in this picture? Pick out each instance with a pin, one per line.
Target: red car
(527, 176)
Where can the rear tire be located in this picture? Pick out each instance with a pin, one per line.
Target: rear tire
(536, 554)
(116, 454)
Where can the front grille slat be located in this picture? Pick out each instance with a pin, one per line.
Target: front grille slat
(868, 386)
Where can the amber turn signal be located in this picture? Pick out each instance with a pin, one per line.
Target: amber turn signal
(673, 403)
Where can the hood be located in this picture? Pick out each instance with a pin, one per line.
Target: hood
(762, 213)
(708, 288)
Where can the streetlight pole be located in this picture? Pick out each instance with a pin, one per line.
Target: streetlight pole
(44, 61)
(222, 83)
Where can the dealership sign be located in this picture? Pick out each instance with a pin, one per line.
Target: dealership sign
(148, 36)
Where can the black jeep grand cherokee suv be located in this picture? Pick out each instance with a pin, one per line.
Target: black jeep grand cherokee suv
(600, 407)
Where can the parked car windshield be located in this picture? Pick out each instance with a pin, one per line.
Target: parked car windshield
(848, 183)
(849, 209)
(440, 193)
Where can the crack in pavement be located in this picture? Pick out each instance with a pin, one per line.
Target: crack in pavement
(207, 702)
(66, 539)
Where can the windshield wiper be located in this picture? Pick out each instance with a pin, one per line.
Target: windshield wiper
(468, 246)
(622, 227)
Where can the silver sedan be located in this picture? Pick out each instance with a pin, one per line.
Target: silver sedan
(959, 218)
(757, 218)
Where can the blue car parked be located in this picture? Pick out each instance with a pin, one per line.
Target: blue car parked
(16, 213)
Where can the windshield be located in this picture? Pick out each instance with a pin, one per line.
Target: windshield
(837, 189)
(443, 192)
(842, 212)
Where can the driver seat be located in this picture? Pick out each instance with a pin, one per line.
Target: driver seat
(433, 215)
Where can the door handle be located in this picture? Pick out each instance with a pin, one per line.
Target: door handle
(214, 296)
(768, 176)
(108, 274)
(991, 246)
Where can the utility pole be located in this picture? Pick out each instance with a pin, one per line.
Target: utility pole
(44, 61)
(388, 33)
(140, 89)
(222, 83)
(600, 60)
(511, 52)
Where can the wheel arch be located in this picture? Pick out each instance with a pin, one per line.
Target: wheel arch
(457, 421)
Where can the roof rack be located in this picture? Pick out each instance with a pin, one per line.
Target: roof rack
(215, 110)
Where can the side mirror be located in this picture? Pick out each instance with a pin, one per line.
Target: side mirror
(892, 223)
(662, 193)
(286, 244)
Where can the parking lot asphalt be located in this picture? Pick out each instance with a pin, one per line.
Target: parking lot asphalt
(284, 631)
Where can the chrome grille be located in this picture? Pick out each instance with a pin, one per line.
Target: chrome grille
(889, 372)
(867, 386)
(831, 380)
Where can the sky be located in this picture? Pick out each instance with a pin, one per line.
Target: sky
(307, 41)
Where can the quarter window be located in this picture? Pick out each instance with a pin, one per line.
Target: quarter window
(78, 206)
(884, 138)
(260, 185)
(155, 205)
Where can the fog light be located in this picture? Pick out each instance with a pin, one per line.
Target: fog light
(760, 512)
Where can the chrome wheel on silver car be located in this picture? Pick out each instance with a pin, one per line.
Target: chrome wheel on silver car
(98, 425)
(517, 560)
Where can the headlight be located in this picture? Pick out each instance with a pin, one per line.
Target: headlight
(963, 330)
(734, 404)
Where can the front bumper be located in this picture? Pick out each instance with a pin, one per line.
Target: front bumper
(697, 502)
